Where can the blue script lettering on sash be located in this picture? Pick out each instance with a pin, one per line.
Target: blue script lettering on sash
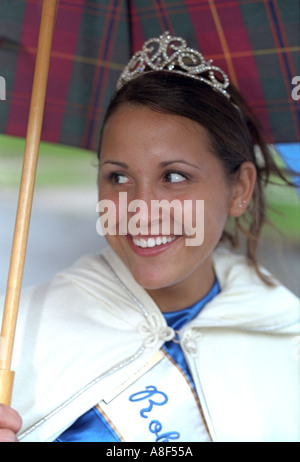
(155, 427)
(160, 399)
(148, 393)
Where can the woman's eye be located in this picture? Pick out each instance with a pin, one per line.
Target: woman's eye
(174, 177)
(118, 178)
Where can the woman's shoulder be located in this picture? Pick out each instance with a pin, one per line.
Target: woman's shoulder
(97, 288)
(248, 299)
(234, 269)
(93, 276)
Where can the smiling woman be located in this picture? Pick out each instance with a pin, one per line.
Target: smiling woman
(154, 339)
(153, 143)
(229, 131)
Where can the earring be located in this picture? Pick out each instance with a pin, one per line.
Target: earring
(244, 202)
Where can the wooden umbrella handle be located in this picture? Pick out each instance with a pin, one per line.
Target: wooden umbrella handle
(26, 191)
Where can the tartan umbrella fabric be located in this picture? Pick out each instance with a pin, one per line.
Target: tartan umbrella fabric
(256, 42)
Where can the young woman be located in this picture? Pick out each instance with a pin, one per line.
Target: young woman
(164, 336)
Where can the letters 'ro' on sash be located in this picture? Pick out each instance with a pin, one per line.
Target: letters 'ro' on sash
(156, 405)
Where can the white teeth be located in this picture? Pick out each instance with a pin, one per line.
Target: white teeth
(143, 243)
(152, 242)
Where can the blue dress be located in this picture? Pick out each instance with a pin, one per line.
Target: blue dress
(92, 426)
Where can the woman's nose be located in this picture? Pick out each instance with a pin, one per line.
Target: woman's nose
(141, 206)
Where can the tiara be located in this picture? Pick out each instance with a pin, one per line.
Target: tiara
(172, 54)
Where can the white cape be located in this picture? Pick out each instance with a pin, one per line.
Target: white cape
(91, 326)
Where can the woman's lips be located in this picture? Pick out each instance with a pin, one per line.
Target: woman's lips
(150, 245)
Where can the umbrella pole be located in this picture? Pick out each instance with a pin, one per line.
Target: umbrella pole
(20, 238)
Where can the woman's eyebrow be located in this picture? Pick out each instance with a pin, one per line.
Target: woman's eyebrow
(162, 164)
(120, 164)
(169, 162)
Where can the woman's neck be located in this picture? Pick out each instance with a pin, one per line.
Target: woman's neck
(184, 293)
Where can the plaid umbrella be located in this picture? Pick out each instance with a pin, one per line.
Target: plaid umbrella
(256, 42)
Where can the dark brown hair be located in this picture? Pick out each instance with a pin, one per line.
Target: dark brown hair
(234, 133)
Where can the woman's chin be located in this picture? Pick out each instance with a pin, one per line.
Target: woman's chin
(150, 280)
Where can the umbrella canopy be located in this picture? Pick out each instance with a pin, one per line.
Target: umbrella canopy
(256, 42)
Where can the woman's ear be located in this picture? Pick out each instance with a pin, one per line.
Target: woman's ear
(242, 189)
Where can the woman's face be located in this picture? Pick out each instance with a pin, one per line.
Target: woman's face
(153, 157)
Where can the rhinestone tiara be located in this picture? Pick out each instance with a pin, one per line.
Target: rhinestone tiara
(172, 54)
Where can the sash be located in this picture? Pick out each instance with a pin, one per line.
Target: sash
(157, 404)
